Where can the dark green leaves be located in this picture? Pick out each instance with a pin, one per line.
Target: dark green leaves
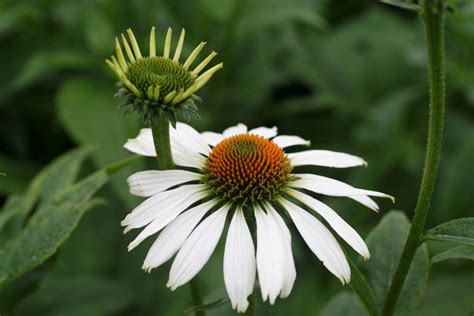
(460, 231)
(363, 290)
(60, 209)
(461, 252)
(385, 243)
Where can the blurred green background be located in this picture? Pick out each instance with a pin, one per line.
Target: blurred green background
(348, 75)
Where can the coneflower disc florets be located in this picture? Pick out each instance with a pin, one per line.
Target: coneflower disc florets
(247, 168)
(159, 85)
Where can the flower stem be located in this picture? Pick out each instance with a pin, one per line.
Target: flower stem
(164, 157)
(161, 139)
(432, 14)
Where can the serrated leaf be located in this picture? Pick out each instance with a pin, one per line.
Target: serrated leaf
(386, 243)
(59, 174)
(363, 290)
(460, 231)
(461, 252)
(48, 228)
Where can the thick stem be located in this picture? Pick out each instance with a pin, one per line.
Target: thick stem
(161, 139)
(433, 18)
(164, 157)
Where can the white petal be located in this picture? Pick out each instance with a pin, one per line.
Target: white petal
(365, 200)
(190, 138)
(235, 130)
(239, 262)
(197, 249)
(332, 187)
(163, 218)
(320, 240)
(289, 274)
(337, 223)
(325, 158)
(182, 155)
(158, 204)
(151, 182)
(142, 144)
(270, 252)
(174, 235)
(212, 138)
(288, 140)
(264, 131)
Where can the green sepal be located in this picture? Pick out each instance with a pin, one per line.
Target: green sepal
(150, 112)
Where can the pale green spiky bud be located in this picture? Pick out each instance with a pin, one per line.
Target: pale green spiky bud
(153, 85)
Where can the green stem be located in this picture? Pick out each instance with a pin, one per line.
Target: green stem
(161, 139)
(164, 157)
(432, 15)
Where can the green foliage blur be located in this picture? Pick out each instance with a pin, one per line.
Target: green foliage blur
(348, 75)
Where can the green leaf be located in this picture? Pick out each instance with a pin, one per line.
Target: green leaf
(58, 175)
(386, 243)
(344, 304)
(461, 252)
(404, 4)
(460, 231)
(49, 227)
(363, 290)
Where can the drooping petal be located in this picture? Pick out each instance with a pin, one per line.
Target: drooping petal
(160, 204)
(197, 249)
(189, 137)
(325, 158)
(320, 240)
(182, 155)
(142, 144)
(289, 140)
(151, 182)
(235, 130)
(239, 262)
(212, 138)
(270, 252)
(332, 187)
(174, 235)
(267, 132)
(337, 223)
(289, 273)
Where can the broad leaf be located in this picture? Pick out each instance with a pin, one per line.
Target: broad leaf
(461, 252)
(363, 290)
(58, 175)
(386, 243)
(51, 225)
(344, 304)
(459, 231)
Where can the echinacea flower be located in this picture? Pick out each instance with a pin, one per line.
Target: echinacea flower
(157, 85)
(248, 176)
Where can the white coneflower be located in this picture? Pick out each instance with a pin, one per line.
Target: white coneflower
(247, 175)
(154, 85)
